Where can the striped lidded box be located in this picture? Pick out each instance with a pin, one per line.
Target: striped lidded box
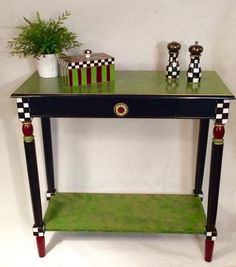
(88, 68)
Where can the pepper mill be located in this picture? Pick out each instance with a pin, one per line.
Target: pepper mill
(194, 70)
(172, 69)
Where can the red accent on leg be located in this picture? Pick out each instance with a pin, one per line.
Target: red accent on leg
(27, 129)
(41, 246)
(218, 131)
(88, 72)
(108, 73)
(70, 77)
(209, 247)
(99, 74)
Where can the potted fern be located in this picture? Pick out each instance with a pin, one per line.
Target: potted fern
(45, 40)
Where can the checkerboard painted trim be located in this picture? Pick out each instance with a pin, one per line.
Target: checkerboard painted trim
(194, 70)
(87, 64)
(211, 235)
(222, 112)
(200, 196)
(50, 194)
(172, 69)
(38, 230)
(23, 109)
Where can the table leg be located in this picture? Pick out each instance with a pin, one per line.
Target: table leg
(31, 160)
(201, 155)
(214, 184)
(48, 155)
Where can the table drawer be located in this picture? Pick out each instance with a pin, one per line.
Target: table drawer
(122, 107)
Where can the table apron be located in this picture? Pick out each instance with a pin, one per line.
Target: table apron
(139, 107)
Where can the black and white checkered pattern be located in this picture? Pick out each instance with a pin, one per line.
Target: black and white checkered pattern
(172, 69)
(88, 63)
(211, 235)
(23, 109)
(50, 194)
(194, 71)
(200, 195)
(222, 112)
(38, 230)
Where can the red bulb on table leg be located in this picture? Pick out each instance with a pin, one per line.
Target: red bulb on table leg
(218, 131)
(27, 129)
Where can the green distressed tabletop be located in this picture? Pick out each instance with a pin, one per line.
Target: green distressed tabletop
(148, 83)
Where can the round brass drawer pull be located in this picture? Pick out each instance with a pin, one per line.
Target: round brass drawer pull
(121, 110)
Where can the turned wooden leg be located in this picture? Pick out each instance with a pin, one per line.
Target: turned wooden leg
(48, 156)
(214, 185)
(201, 155)
(31, 160)
(221, 117)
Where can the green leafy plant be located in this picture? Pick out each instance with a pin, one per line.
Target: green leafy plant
(39, 37)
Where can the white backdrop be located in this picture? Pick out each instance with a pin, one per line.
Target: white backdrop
(106, 155)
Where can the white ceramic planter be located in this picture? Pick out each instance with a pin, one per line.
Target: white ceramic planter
(47, 66)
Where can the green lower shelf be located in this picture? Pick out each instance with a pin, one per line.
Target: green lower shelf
(147, 213)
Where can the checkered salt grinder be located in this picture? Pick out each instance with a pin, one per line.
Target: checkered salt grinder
(194, 70)
(172, 69)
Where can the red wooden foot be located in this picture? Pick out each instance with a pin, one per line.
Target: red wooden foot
(209, 246)
(41, 246)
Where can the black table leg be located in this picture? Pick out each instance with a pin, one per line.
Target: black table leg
(47, 144)
(201, 156)
(214, 184)
(31, 160)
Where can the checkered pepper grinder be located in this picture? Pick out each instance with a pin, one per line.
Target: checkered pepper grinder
(172, 69)
(194, 70)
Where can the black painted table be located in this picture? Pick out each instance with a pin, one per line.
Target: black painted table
(134, 94)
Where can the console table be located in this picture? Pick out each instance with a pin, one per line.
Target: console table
(134, 94)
